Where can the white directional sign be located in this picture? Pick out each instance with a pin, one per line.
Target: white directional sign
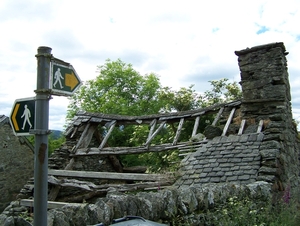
(22, 116)
(64, 79)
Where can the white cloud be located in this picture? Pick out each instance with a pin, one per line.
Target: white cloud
(185, 42)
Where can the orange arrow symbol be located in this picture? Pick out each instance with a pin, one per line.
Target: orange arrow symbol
(71, 80)
(14, 120)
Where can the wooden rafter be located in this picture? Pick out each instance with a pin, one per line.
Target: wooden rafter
(178, 131)
(155, 133)
(196, 125)
(228, 122)
(111, 127)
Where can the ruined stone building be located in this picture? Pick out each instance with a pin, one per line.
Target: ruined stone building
(254, 154)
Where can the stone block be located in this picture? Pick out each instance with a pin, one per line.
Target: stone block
(233, 138)
(216, 140)
(268, 154)
(244, 138)
(202, 175)
(267, 170)
(207, 170)
(260, 137)
(189, 172)
(225, 152)
(244, 177)
(217, 169)
(228, 164)
(271, 144)
(232, 178)
(245, 168)
(267, 178)
(211, 174)
(228, 173)
(251, 172)
(222, 160)
(235, 167)
(220, 173)
(194, 176)
(247, 159)
(224, 139)
(238, 173)
(212, 160)
(215, 179)
(228, 156)
(214, 165)
(205, 180)
(203, 161)
(252, 137)
(233, 160)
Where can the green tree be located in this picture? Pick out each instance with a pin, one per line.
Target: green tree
(222, 91)
(183, 99)
(118, 89)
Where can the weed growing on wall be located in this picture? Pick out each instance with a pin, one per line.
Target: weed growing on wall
(248, 212)
(238, 211)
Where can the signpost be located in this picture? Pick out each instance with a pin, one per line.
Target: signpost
(31, 116)
(64, 79)
(22, 117)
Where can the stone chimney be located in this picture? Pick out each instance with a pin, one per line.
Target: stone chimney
(266, 96)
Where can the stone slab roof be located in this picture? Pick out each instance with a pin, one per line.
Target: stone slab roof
(223, 159)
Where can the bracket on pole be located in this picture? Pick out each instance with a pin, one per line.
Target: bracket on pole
(39, 132)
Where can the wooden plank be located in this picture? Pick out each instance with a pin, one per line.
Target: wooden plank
(108, 175)
(86, 136)
(50, 204)
(123, 150)
(178, 131)
(228, 122)
(165, 118)
(135, 150)
(155, 133)
(198, 113)
(96, 120)
(260, 126)
(197, 120)
(218, 116)
(242, 126)
(152, 124)
(112, 126)
(74, 132)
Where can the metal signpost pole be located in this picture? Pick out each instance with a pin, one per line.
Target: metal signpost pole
(41, 136)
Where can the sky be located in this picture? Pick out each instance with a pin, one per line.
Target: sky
(183, 42)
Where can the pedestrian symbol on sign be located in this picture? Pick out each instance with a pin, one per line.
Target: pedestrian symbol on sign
(58, 77)
(26, 115)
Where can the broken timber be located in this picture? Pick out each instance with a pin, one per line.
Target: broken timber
(89, 124)
(108, 175)
(110, 121)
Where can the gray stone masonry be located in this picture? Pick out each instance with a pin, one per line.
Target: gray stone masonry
(16, 163)
(267, 96)
(224, 159)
